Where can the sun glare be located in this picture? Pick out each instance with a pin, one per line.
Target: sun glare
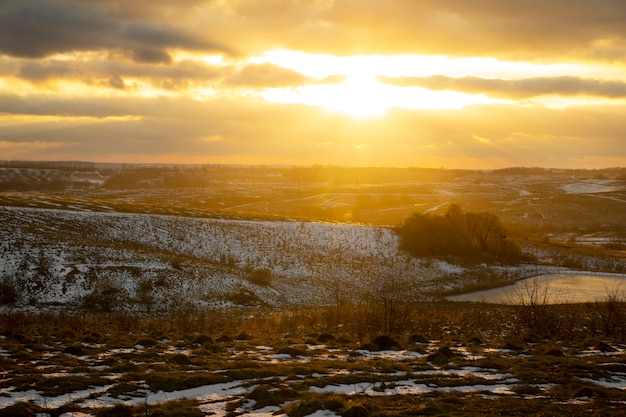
(322, 65)
(363, 96)
(358, 96)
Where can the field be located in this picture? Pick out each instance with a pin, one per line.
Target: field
(215, 290)
(465, 360)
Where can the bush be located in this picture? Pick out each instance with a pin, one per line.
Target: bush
(260, 277)
(105, 297)
(180, 359)
(386, 343)
(119, 410)
(21, 409)
(311, 403)
(244, 297)
(8, 294)
(458, 234)
(176, 408)
(264, 397)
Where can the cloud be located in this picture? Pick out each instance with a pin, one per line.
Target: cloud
(248, 132)
(109, 79)
(147, 31)
(39, 28)
(517, 88)
(92, 67)
(187, 74)
(517, 30)
(265, 75)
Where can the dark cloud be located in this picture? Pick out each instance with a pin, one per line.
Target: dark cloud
(42, 71)
(183, 75)
(513, 30)
(117, 82)
(126, 45)
(532, 29)
(91, 71)
(517, 88)
(146, 30)
(38, 28)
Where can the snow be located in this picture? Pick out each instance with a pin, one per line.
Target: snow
(324, 413)
(214, 398)
(593, 186)
(57, 256)
(206, 393)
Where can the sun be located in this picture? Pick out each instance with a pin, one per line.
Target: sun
(360, 96)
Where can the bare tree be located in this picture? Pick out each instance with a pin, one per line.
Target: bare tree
(538, 300)
(612, 312)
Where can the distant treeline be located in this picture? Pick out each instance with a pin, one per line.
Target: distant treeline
(460, 234)
(72, 165)
(605, 173)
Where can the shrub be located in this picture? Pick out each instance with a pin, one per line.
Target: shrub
(356, 411)
(260, 277)
(75, 350)
(458, 234)
(180, 359)
(8, 294)
(21, 409)
(244, 297)
(176, 408)
(224, 339)
(440, 357)
(386, 342)
(119, 410)
(292, 351)
(325, 338)
(202, 340)
(105, 297)
(244, 336)
(147, 342)
(264, 397)
(314, 402)
(416, 338)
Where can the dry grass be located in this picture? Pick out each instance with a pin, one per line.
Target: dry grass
(472, 346)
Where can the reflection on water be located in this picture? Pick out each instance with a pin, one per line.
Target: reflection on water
(553, 288)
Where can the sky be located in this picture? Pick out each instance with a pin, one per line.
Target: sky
(476, 84)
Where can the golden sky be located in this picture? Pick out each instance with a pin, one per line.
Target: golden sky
(429, 83)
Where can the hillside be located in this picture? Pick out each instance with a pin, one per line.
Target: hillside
(55, 256)
(154, 237)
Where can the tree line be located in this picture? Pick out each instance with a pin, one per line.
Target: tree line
(460, 234)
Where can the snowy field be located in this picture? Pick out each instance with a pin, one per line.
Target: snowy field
(56, 256)
(63, 252)
(172, 370)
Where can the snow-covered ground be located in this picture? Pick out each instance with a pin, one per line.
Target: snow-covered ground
(415, 375)
(56, 256)
(593, 186)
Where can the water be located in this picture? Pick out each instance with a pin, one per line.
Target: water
(553, 289)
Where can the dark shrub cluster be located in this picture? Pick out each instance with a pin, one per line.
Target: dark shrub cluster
(457, 233)
(8, 294)
(261, 277)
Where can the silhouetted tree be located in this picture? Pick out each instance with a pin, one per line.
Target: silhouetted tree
(457, 233)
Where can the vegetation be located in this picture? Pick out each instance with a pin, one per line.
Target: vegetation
(456, 233)
(381, 348)
(468, 359)
(261, 277)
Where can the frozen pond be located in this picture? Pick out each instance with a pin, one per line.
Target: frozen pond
(553, 289)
